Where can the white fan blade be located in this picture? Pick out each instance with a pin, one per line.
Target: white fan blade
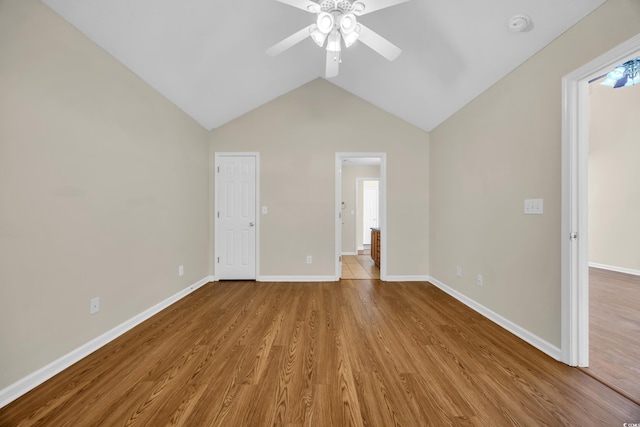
(373, 5)
(378, 43)
(333, 63)
(307, 5)
(290, 41)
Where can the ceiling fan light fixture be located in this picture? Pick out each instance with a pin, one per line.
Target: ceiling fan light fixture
(318, 36)
(627, 74)
(314, 8)
(351, 37)
(348, 23)
(336, 23)
(325, 22)
(357, 7)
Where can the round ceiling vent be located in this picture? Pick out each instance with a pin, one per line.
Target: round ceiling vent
(520, 23)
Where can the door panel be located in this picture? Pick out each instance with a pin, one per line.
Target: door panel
(236, 216)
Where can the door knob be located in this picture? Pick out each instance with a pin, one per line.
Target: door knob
(251, 224)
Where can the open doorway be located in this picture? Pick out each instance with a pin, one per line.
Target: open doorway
(614, 235)
(360, 209)
(575, 208)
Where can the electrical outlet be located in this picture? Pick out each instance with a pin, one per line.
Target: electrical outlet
(479, 280)
(181, 270)
(459, 271)
(94, 305)
(309, 259)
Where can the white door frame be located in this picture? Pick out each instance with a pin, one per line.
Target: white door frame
(575, 160)
(382, 219)
(256, 155)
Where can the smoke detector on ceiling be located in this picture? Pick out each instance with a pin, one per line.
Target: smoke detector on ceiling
(520, 23)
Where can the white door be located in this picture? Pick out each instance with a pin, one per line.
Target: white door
(370, 209)
(236, 218)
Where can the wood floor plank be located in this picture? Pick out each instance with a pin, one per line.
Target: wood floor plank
(355, 352)
(614, 337)
(359, 267)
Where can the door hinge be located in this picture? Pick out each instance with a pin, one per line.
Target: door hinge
(218, 169)
(339, 215)
(340, 258)
(573, 236)
(218, 260)
(218, 214)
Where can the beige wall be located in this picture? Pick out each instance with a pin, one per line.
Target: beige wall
(614, 176)
(297, 136)
(103, 191)
(500, 149)
(351, 223)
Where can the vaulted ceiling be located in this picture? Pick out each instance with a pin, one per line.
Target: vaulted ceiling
(208, 56)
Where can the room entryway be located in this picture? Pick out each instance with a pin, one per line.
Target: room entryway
(575, 233)
(360, 207)
(614, 264)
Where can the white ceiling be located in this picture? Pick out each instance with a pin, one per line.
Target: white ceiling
(208, 56)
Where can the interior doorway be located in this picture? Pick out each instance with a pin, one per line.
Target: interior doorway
(575, 160)
(614, 237)
(349, 205)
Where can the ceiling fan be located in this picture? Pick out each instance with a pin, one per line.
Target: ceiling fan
(337, 22)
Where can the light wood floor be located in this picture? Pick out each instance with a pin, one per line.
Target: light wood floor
(614, 336)
(359, 267)
(354, 352)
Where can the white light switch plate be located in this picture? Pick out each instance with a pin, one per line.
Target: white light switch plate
(533, 206)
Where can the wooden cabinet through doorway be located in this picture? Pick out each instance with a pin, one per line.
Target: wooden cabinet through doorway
(375, 246)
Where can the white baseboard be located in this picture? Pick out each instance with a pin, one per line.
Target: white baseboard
(614, 268)
(407, 278)
(518, 331)
(349, 253)
(31, 381)
(297, 279)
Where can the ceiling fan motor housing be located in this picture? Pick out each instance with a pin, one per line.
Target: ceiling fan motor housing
(343, 6)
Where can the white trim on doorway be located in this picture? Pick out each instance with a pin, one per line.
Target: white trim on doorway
(382, 206)
(574, 232)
